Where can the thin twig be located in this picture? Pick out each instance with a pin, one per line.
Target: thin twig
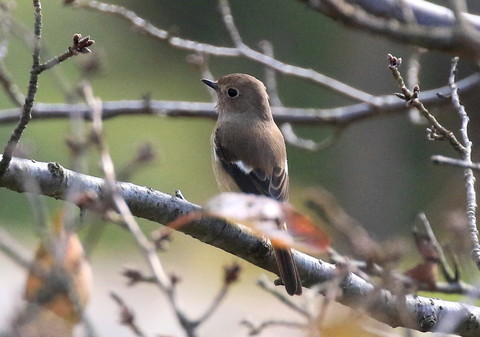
(272, 88)
(459, 288)
(268, 287)
(437, 131)
(231, 274)
(213, 305)
(200, 60)
(80, 46)
(449, 275)
(413, 72)
(307, 144)
(443, 160)
(30, 98)
(270, 75)
(24, 33)
(14, 250)
(257, 329)
(165, 283)
(144, 154)
(471, 207)
(10, 88)
(149, 29)
(127, 317)
(145, 245)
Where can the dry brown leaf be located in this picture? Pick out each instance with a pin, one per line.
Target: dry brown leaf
(60, 278)
(266, 217)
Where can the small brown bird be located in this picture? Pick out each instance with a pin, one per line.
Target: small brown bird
(249, 152)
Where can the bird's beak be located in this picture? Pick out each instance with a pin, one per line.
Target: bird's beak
(211, 84)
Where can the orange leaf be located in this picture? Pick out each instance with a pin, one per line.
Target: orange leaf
(268, 217)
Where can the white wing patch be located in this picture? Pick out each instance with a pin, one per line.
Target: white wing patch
(243, 167)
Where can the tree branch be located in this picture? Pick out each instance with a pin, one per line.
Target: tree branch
(471, 194)
(425, 13)
(380, 105)
(436, 27)
(439, 159)
(9, 87)
(32, 89)
(240, 49)
(416, 312)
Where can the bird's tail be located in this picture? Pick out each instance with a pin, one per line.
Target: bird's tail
(288, 271)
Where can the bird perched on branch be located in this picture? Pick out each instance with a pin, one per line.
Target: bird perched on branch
(249, 153)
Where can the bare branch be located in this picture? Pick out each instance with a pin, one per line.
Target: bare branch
(146, 247)
(127, 317)
(201, 62)
(271, 83)
(144, 154)
(10, 88)
(438, 159)
(14, 250)
(240, 48)
(231, 275)
(426, 13)
(80, 46)
(32, 90)
(449, 275)
(434, 29)
(266, 285)
(460, 288)
(283, 68)
(413, 71)
(471, 207)
(380, 106)
(257, 329)
(421, 313)
(437, 131)
(160, 34)
(425, 314)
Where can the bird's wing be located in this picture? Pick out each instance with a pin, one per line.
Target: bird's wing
(252, 180)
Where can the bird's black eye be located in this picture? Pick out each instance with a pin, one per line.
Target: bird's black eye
(232, 93)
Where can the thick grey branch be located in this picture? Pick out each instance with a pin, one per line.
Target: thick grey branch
(425, 13)
(435, 27)
(417, 312)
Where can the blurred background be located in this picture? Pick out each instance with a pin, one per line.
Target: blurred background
(379, 169)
